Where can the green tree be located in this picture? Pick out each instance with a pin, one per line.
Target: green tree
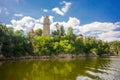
(38, 32)
(79, 46)
(115, 47)
(70, 31)
(61, 30)
(42, 45)
(64, 46)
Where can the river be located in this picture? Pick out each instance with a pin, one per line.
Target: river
(77, 69)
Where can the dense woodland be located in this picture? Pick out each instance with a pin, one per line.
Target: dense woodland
(18, 44)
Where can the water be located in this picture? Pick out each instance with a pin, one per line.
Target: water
(79, 69)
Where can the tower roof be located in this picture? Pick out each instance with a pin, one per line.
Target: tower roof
(31, 31)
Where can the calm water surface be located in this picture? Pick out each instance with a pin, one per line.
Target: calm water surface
(79, 69)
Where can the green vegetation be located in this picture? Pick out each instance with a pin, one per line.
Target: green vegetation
(16, 43)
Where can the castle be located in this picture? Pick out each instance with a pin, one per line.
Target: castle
(46, 28)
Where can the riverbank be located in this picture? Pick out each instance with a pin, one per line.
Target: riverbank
(60, 56)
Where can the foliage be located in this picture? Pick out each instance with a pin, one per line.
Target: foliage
(42, 44)
(59, 31)
(15, 43)
(79, 45)
(38, 32)
(64, 46)
(115, 47)
(69, 31)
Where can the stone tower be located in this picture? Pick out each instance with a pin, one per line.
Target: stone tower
(46, 26)
(31, 34)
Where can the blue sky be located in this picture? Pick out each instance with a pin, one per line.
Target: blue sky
(87, 17)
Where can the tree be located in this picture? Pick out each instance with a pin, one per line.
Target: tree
(64, 46)
(6, 36)
(102, 47)
(2, 35)
(3, 31)
(61, 30)
(70, 36)
(42, 45)
(38, 32)
(115, 47)
(79, 45)
(70, 31)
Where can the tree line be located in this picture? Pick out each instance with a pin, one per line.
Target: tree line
(17, 44)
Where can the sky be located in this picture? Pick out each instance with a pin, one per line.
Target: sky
(99, 18)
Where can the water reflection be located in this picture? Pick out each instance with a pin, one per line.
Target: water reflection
(83, 78)
(80, 69)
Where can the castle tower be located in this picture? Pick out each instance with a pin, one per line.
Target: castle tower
(31, 34)
(46, 26)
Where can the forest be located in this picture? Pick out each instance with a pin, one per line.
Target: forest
(18, 44)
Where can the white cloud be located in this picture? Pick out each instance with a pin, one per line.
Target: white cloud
(18, 15)
(4, 11)
(42, 19)
(66, 7)
(51, 19)
(27, 23)
(110, 36)
(72, 22)
(63, 10)
(102, 30)
(99, 26)
(58, 11)
(37, 26)
(44, 10)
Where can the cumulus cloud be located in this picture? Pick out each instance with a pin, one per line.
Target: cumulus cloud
(106, 31)
(63, 10)
(72, 22)
(110, 36)
(42, 19)
(27, 23)
(102, 30)
(18, 15)
(66, 7)
(96, 26)
(45, 10)
(58, 11)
